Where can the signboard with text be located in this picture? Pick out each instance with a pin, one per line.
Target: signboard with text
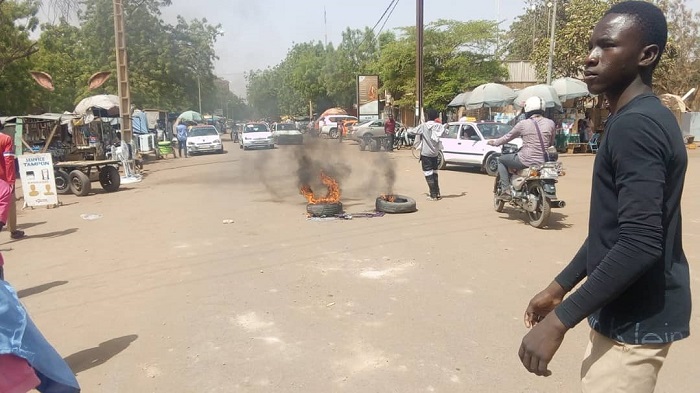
(38, 181)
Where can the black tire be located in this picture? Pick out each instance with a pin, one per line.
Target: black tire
(362, 144)
(324, 209)
(442, 164)
(402, 204)
(373, 145)
(540, 218)
(498, 203)
(333, 133)
(79, 183)
(62, 181)
(491, 165)
(110, 179)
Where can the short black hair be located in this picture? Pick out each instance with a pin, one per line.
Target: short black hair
(651, 20)
(431, 114)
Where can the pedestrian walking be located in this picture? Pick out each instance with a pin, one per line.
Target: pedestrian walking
(8, 176)
(182, 139)
(390, 131)
(428, 137)
(636, 296)
(341, 130)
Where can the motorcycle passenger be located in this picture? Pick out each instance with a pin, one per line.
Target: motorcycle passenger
(537, 133)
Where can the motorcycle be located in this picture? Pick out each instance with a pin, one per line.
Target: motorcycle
(533, 190)
(403, 139)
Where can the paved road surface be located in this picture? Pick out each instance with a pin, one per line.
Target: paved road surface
(159, 295)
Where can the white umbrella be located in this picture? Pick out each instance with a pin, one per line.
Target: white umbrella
(108, 102)
(490, 95)
(190, 116)
(459, 100)
(545, 92)
(569, 88)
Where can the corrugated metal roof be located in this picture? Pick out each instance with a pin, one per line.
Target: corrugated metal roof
(521, 72)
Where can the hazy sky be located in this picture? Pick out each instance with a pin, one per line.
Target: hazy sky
(258, 33)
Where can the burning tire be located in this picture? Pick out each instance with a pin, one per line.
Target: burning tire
(324, 209)
(395, 204)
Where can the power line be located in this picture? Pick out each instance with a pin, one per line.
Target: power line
(393, 3)
(387, 18)
(382, 17)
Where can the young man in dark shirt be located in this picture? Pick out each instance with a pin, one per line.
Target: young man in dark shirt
(637, 292)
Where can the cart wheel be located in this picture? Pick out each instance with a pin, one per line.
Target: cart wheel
(79, 183)
(62, 181)
(109, 178)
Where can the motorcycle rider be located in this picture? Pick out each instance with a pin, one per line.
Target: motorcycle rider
(537, 133)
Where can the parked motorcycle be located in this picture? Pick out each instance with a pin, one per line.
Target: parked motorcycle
(533, 190)
(403, 139)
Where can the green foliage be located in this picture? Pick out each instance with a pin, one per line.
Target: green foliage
(17, 21)
(167, 63)
(528, 38)
(458, 55)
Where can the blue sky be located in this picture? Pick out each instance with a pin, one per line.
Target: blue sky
(258, 33)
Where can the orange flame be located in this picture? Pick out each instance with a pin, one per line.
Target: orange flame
(332, 196)
(388, 198)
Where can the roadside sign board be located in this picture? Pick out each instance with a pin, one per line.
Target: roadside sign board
(38, 181)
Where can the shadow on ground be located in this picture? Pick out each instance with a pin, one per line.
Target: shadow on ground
(28, 225)
(55, 234)
(557, 221)
(93, 357)
(39, 289)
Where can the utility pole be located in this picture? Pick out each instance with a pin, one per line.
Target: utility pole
(199, 92)
(122, 72)
(419, 60)
(551, 43)
(325, 26)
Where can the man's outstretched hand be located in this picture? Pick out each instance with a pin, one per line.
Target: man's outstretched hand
(542, 342)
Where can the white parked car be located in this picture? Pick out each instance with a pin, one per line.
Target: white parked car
(256, 135)
(203, 139)
(464, 143)
(329, 125)
(287, 133)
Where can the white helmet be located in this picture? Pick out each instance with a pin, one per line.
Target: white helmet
(534, 103)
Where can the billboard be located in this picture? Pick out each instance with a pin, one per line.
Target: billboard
(368, 96)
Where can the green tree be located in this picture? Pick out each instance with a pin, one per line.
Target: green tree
(457, 56)
(57, 44)
(17, 21)
(680, 68)
(530, 29)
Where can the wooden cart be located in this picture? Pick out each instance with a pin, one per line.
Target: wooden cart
(77, 176)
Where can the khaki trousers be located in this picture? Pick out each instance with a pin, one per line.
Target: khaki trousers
(613, 367)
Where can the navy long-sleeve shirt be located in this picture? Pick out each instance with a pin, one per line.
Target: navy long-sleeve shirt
(638, 286)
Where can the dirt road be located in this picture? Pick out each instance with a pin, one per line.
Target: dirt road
(158, 295)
